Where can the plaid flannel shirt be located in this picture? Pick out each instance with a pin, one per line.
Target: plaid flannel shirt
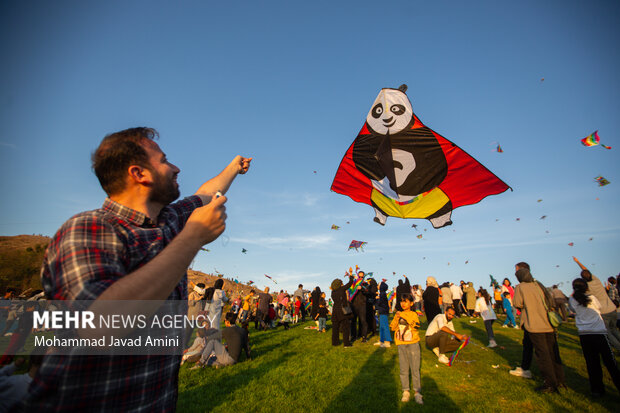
(89, 253)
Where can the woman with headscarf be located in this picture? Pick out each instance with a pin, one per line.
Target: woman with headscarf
(340, 318)
(470, 293)
(194, 307)
(315, 297)
(431, 299)
(371, 299)
(217, 303)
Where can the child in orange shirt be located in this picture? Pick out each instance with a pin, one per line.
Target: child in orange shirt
(407, 339)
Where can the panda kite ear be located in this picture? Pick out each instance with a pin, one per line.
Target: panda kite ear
(403, 88)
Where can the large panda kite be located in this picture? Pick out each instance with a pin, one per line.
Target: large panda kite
(404, 169)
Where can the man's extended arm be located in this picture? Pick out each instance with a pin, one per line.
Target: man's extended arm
(224, 179)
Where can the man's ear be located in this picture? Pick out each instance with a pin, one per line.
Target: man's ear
(140, 175)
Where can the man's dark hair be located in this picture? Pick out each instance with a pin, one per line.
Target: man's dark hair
(118, 151)
(300, 286)
(231, 317)
(523, 265)
(450, 308)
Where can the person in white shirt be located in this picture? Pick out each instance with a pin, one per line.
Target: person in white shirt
(484, 308)
(608, 308)
(593, 337)
(441, 336)
(457, 294)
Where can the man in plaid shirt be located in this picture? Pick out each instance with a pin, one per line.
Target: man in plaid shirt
(137, 246)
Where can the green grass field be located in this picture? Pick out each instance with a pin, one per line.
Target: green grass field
(298, 369)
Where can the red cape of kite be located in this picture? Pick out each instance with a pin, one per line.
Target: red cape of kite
(467, 181)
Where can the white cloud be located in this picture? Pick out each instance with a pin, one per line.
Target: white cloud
(293, 241)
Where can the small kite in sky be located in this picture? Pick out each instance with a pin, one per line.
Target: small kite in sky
(590, 239)
(601, 181)
(348, 222)
(250, 282)
(518, 219)
(204, 249)
(314, 171)
(547, 232)
(270, 278)
(499, 149)
(414, 226)
(496, 219)
(243, 250)
(336, 227)
(570, 244)
(466, 262)
(357, 244)
(543, 217)
(494, 282)
(404, 169)
(423, 258)
(419, 236)
(542, 79)
(540, 200)
(593, 140)
(557, 266)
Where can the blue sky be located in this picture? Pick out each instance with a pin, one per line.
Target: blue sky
(290, 84)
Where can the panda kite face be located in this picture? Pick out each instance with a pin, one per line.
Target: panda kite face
(391, 112)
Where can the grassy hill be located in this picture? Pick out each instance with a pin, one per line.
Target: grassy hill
(21, 257)
(299, 370)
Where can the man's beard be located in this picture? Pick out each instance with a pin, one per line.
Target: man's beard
(164, 190)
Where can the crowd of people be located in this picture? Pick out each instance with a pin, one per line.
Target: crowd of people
(360, 309)
(138, 247)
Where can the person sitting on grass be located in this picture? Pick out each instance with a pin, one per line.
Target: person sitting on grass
(441, 336)
(321, 315)
(406, 337)
(13, 388)
(193, 353)
(218, 355)
(286, 320)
